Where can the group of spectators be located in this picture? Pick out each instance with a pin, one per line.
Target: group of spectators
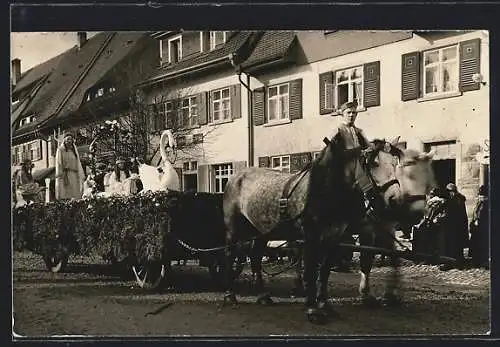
(72, 181)
(446, 231)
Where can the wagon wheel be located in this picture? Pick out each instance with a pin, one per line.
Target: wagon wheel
(56, 261)
(149, 276)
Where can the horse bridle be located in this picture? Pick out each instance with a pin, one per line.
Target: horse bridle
(384, 187)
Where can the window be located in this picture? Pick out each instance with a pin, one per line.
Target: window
(278, 102)
(190, 166)
(349, 86)
(175, 49)
(281, 163)
(441, 70)
(222, 174)
(217, 38)
(189, 111)
(221, 105)
(169, 113)
(26, 120)
(100, 92)
(16, 156)
(112, 89)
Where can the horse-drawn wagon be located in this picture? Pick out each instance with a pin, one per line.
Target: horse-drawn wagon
(145, 232)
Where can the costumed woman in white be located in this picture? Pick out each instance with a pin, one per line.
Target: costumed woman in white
(162, 178)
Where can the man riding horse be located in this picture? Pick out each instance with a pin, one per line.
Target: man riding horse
(353, 140)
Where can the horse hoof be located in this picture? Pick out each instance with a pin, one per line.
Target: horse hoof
(326, 307)
(370, 301)
(265, 300)
(230, 299)
(316, 316)
(392, 300)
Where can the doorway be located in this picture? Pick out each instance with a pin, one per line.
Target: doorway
(190, 182)
(444, 161)
(444, 171)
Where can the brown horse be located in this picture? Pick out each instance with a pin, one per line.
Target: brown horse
(323, 200)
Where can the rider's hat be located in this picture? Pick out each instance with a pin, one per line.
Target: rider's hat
(349, 104)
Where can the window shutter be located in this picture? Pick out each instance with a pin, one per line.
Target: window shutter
(326, 92)
(53, 146)
(371, 85)
(264, 162)
(295, 100)
(469, 64)
(39, 154)
(235, 101)
(410, 76)
(201, 101)
(299, 160)
(203, 179)
(151, 117)
(160, 117)
(259, 106)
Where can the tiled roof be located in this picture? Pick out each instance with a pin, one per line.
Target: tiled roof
(273, 45)
(234, 43)
(69, 69)
(74, 69)
(118, 48)
(36, 73)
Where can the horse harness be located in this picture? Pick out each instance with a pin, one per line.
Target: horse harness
(292, 183)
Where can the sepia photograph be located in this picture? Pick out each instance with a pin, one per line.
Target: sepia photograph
(250, 183)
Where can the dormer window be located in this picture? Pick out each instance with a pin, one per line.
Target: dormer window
(112, 89)
(217, 38)
(100, 92)
(175, 49)
(26, 120)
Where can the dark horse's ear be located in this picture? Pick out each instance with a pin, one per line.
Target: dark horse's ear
(326, 141)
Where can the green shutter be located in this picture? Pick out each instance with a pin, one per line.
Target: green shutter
(410, 76)
(259, 106)
(326, 93)
(371, 85)
(469, 64)
(295, 100)
(235, 92)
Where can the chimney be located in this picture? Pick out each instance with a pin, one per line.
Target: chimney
(82, 38)
(16, 70)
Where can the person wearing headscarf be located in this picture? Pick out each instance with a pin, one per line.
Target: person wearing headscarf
(69, 171)
(457, 231)
(428, 234)
(479, 230)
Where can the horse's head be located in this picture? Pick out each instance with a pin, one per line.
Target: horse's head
(416, 178)
(380, 160)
